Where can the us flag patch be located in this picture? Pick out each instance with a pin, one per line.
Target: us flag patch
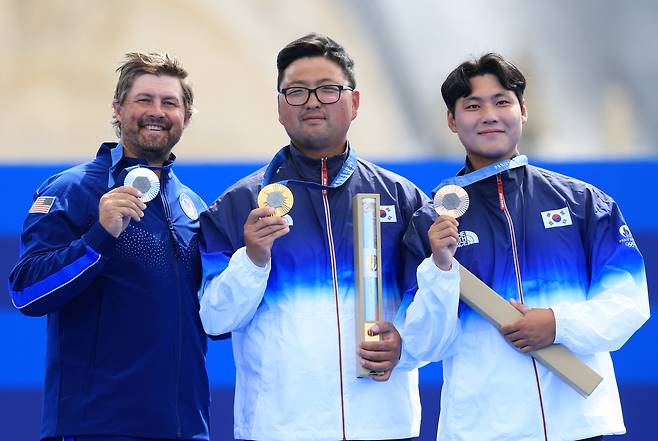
(42, 204)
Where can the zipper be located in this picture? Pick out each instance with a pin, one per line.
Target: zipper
(332, 253)
(517, 270)
(174, 246)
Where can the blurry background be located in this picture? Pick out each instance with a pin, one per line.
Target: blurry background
(591, 68)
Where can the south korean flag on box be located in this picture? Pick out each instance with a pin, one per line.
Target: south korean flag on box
(387, 213)
(556, 218)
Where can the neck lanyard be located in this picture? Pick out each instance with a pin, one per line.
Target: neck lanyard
(485, 172)
(117, 154)
(343, 175)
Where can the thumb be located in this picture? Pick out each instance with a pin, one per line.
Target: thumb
(519, 307)
(374, 329)
(383, 328)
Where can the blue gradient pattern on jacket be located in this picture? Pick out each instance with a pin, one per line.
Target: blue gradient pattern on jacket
(562, 263)
(286, 352)
(298, 263)
(577, 256)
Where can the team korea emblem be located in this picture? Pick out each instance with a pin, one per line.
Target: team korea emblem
(556, 218)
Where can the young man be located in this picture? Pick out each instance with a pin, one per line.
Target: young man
(285, 289)
(558, 249)
(118, 277)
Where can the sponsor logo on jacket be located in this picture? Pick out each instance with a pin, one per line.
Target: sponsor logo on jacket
(467, 238)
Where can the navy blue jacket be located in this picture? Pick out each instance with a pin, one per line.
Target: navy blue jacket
(126, 349)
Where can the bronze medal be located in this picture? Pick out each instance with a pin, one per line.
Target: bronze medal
(451, 200)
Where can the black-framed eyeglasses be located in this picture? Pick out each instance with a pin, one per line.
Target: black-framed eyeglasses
(326, 94)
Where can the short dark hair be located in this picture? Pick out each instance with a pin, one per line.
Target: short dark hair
(315, 45)
(458, 83)
(138, 64)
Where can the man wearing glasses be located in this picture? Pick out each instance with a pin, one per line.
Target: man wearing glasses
(283, 286)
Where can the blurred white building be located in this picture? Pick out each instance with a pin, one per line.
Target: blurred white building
(589, 64)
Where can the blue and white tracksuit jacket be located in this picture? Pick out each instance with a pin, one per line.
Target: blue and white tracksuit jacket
(126, 348)
(550, 241)
(292, 323)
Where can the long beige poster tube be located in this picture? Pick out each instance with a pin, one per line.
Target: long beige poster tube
(476, 294)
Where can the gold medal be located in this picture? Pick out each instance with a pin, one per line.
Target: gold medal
(277, 196)
(451, 200)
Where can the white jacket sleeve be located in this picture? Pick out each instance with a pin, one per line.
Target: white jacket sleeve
(431, 324)
(230, 299)
(617, 299)
(607, 320)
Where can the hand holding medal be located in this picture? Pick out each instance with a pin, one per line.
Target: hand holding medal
(450, 202)
(265, 224)
(118, 206)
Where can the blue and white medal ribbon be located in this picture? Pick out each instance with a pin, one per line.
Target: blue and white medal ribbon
(343, 175)
(484, 173)
(451, 199)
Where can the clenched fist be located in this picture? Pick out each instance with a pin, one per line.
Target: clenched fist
(444, 236)
(260, 231)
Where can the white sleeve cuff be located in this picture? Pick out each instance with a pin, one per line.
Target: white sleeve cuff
(231, 298)
(561, 325)
(430, 273)
(241, 259)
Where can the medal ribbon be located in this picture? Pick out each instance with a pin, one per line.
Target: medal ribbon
(484, 173)
(343, 175)
(117, 154)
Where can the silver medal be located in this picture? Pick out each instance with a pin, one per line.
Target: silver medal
(144, 180)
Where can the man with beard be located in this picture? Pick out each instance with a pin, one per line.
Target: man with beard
(116, 269)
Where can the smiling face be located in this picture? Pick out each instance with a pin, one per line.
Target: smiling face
(317, 130)
(152, 117)
(489, 121)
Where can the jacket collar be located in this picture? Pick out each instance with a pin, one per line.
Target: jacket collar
(311, 169)
(339, 167)
(119, 162)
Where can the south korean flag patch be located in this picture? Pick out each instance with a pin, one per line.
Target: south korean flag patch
(556, 218)
(387, 213)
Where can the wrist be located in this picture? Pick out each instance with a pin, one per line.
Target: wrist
(440, 264)
(257, 259)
